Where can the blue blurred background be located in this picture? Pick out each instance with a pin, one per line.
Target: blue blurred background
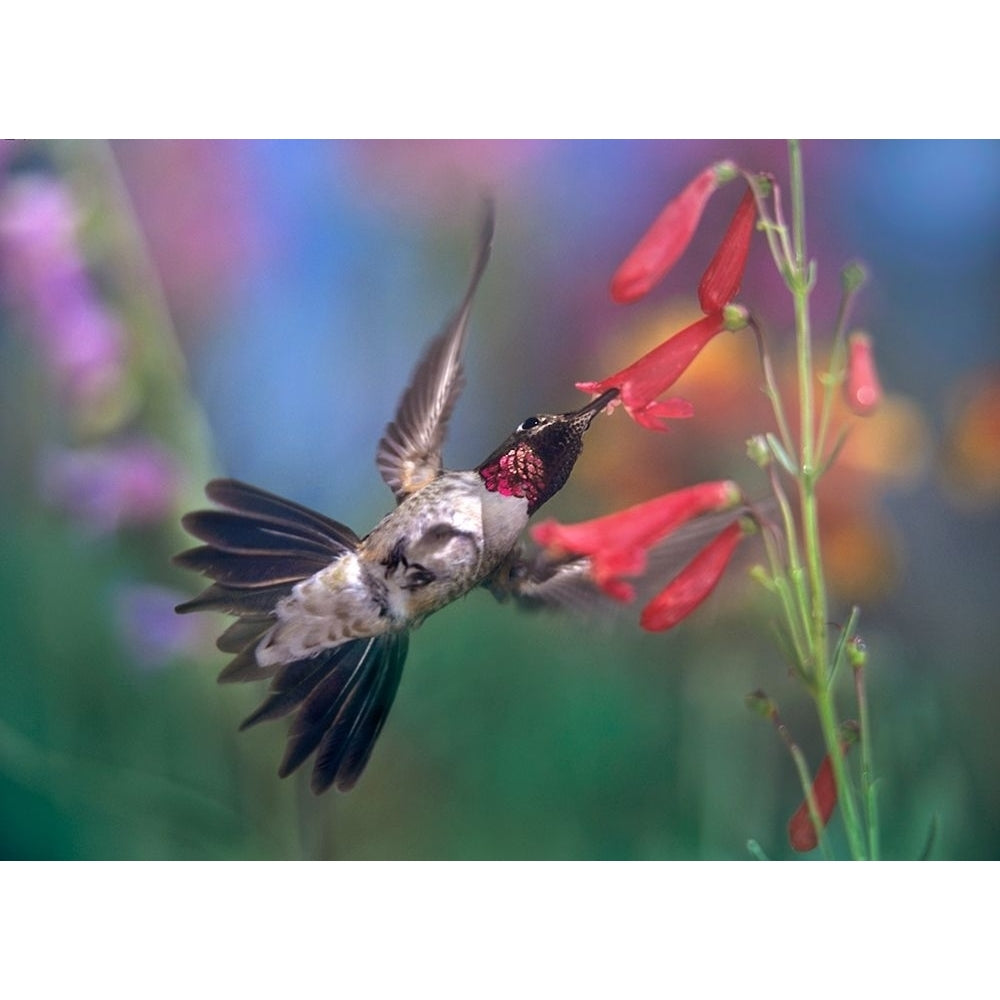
(176, 310)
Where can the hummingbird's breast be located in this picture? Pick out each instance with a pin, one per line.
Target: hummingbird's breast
(438, 544)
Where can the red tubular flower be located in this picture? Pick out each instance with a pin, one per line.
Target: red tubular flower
(862, 387)
(617, 543)
(802, 835)
(656, 371)
(667, 238)
(693, 584)
(721, 280)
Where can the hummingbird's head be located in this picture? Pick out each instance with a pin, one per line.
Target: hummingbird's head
(536, 460)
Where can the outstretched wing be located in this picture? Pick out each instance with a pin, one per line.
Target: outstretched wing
(409, 454)
(257, 549)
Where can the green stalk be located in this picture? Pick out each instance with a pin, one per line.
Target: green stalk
(815, 599)
(867, 771)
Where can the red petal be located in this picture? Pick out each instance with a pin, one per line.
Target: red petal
(654, 416)
(667, 238)
(721, 280)
(802, 834)
(693, 584)
(862, 387)
(657, 371)
(617, 543)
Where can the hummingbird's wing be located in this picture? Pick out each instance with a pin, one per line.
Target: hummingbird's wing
(256, 550)
(409, 454)
(535, 580)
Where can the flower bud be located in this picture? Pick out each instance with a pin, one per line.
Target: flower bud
(759, 702)
(861, 387)
(668, 237)
(735, 317)
(758, 451)
(694, 583)
(722, 278)
(802, 834)
(857, 652)
(853, 276)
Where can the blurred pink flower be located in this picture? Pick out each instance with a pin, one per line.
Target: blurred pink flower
(862, 388)
(197, 207)
(112, 487)
(44, 276)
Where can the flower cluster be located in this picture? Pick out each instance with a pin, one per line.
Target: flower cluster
(617, 545)
(45, 277)
(107, 470)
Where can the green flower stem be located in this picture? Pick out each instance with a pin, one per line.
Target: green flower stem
(798, 624)
(771, 387)
(867, 771)
(815, 599)
(802, 767)
(834, 376)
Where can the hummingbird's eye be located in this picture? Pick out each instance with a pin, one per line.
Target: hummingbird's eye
(529, 423)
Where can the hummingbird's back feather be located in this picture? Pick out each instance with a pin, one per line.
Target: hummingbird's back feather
(409, 453)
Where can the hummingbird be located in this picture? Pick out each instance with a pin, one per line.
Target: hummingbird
(326, 615)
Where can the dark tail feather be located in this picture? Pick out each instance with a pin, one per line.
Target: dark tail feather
(343, 696)
(295, 682)
(344, 750)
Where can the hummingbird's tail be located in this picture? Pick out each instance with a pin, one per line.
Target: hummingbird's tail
(256, 551)
(343, 696)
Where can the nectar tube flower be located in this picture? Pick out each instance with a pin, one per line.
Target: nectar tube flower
(649, 377)
(694, 583)
(802, 834)
(617, 543)
(862, 388)
(721, 280)
(668, 237)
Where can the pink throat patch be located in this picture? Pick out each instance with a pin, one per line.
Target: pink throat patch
(517, 473)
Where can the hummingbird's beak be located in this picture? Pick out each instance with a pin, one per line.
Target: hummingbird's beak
(596, 405)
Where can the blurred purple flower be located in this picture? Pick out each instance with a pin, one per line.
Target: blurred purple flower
(44, 275)
(109, 488)
(150, 630)
(202, 233)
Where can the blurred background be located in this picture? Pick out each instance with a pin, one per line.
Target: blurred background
(170, 311)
